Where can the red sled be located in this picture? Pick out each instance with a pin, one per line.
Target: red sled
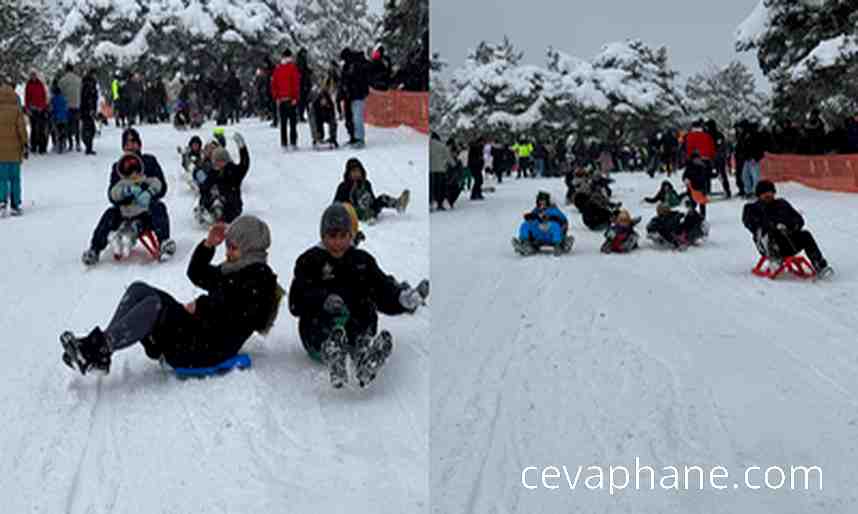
(149, 241)
(797, 265)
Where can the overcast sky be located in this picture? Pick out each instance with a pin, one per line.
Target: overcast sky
(697, 33)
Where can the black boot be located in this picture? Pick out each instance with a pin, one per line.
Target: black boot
(88, 353)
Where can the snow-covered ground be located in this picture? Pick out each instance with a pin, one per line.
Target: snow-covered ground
(679, 359)
(276, 438)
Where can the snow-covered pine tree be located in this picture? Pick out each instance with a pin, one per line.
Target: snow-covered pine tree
(439, 97)
(808, 49)
(493, 94)
(405, 36)
(325, 27)
(726, 95)
(26, 35)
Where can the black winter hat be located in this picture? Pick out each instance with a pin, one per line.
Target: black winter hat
(197, 140)
(764, 186)
(543, 196)
(335, 218)
(132, 134)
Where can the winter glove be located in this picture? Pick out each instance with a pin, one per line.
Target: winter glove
(131, 190)
(781, 227)
(410, 299)
(144, 199)
(239, 140)
(334, 304)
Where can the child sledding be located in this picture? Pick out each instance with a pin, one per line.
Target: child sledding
(356, 190)
(545, 225)
(673, 229)
(621, 237)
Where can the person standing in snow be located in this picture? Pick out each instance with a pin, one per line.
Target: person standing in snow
(136, 188)
(475, 164)
(88, 108)
(778, 229)
(286, 90)
(36, 107)
(71, 85)
(356, 87)
(306, 83)
(13, 146)
(336, 294)
(242, 297)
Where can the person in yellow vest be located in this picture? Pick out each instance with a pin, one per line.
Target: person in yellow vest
(522, 150)
(116, 96)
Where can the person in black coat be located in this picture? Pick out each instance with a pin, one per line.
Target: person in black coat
(338, 290)
(242, 297)
(156, 215)
(697, 176)
(596, 211)
(323, 112)
(671, 227)
(220, 191)
(356, 189)
(778, 229)
(88, 108)
(356, 88)
(475, 165)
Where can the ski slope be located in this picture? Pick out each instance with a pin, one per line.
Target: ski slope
(276, 438)
(679, 359)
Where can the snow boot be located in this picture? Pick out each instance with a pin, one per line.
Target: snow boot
(89, 353)
(334, 356)
(564, 246)
(402, 201)
(90, 257)
(168, 249)
(2, 209)
(373, 357)
(16, 211)
(523, 248)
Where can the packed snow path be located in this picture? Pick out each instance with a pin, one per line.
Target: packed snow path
(676, 358)
(272, 439)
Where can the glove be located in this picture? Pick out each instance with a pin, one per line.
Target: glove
(781, 227)
(144, 198)
(334, 304)
(143, 185)
(239, 140)
(410, 299)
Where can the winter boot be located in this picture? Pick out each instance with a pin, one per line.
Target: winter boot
(334, 356)
(565, 246)
(523, 248)
(168, 249)
(16, 211)
(90, 257)
(373, 358)
(89, 353)
(2, 209)
(402, 201)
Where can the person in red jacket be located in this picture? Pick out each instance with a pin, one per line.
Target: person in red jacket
(698, 139)
(286, 91)
(36, 107)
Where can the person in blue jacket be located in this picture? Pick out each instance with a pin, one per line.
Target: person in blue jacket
(59, 117)
(545, 225)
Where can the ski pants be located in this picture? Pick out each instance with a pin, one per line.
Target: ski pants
(319, 127)
(38, 132)
(721, 169)
(73, 132)
(315, 330)
(539, 165)
(157, 218)
(437, 187)
(358, 115)
(751, 175)
(136, 315)
(477, 190)
(288, 113)
(795, 242)
(87, 123)
(550, 233)
(10, 183)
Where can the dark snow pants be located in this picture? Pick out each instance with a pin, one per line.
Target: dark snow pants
(315, 330)
(157, 219)
(288, 135)
(795, 242)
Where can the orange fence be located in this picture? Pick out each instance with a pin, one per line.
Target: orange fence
(829, 172)
(395, 108)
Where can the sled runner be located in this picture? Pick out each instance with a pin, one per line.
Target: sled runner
(797, 265)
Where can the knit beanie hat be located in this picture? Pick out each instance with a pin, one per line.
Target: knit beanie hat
(335, 218)
(764, 186)
(252, 236)
(220, 154)
(543, 196)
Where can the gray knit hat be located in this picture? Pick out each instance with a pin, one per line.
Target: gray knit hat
(252, 236)
(335, 217)
(220, 154)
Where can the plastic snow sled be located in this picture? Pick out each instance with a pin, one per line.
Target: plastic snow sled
(240, 361)
(127, 235)
(797, 265)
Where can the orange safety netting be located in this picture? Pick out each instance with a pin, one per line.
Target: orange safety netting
(829, 172)
(395, 108)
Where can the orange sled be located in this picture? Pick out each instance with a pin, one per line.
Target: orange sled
(797, 265)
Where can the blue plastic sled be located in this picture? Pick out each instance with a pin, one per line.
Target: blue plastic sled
(240, 361)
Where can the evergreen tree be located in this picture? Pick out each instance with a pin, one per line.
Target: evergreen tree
(325, 27)
(26, 35)
(726, 95)
(405, 36)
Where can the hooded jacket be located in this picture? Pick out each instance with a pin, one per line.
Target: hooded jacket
(359, 194)
(13, 128)
(286, 82)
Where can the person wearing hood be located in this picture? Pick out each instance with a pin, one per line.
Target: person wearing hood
(336, 294)
(13, 147)
(306, 83)
(697, 176)
(673, 228)
(136, 188)
(356, 85)
(322, 112)
(220, 192)
(356, 190)
(544, 225)
(621, 237)
(36, 107)
(88, 109)
(379, 70)
(242, 297)
(286, 90)
(666, 194)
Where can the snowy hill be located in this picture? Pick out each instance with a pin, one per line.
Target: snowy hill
(272, 439)
(675, 358)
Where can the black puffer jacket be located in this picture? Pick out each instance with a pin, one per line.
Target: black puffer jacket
(698, 173)
(228, 182)
(236, 305)
(355, 79)
(767, 215)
